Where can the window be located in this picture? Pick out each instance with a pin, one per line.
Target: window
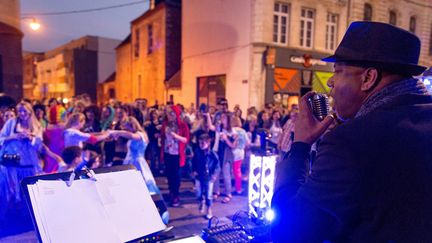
(280, 23)
(331, 31)
(392, 17)
(430, 42)
(412, 24)
(367, 12)
(139, 85)
(306, 27)
(150, 39)
(137, 43)
(111, 93)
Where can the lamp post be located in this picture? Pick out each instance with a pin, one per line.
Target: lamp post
(34, 24)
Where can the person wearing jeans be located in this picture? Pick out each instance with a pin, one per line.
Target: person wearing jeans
(228, 137)
(205, 170)
(238, 153)
(174, 137)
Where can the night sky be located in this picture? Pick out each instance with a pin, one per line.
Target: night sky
(60, 29)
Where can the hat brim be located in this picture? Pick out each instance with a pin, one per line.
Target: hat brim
(406, 68)
(331, 58)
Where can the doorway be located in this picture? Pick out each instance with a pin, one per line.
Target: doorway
(210, 89)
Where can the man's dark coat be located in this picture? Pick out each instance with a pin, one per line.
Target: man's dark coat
(371, 181)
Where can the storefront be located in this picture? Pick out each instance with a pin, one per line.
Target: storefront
(291, 73)
(210, 89)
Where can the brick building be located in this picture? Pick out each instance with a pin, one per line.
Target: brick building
(30, 60)
(75, 68)
(107, 90)
(10, 49)
(149, 59)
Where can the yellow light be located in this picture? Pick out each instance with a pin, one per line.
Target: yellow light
(34, 25)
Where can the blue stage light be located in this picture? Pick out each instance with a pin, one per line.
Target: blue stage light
(270, 215)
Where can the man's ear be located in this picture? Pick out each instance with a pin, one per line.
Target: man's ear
(370, 79)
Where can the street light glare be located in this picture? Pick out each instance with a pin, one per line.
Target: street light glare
(34, 25)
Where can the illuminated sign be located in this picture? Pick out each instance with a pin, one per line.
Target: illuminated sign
(307, 61)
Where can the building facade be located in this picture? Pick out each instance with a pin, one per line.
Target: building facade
(123, 81)
(258, 51)
(107, 90)
(149, 59)
(216, 52)
(11, 73)
(30, 60)
(75, 68)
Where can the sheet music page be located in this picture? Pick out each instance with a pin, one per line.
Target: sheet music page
(74, 214)
(128, 204)
(40, 220)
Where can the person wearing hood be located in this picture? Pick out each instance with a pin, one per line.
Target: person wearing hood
(174, 137)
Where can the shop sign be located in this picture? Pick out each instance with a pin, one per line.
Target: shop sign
(307, 61)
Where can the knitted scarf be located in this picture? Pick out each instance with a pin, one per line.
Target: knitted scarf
(390, 92)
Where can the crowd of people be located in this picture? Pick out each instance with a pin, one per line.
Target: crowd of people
(206, 144)
(369, 181)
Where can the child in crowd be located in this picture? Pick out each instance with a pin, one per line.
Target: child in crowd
(205, 170)
(72, 156)
(9, 114)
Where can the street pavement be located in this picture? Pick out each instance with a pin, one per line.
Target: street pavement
(186, 219)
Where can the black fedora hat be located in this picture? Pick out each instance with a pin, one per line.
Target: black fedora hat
(379, 45)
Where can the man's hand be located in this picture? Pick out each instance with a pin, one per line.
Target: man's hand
(307, 128)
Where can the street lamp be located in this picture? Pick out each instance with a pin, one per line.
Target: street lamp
(34, 24)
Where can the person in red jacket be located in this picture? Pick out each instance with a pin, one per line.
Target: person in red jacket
(174, 137)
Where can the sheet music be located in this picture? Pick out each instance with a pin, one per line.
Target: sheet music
(40, 221)
(74, 214)
(115, 208)
(128, 204)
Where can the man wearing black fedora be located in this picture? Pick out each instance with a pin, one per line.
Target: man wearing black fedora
(372, 177)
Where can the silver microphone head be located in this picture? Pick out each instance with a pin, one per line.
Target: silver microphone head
(320, 105)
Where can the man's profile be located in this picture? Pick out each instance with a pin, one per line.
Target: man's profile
(371, 179)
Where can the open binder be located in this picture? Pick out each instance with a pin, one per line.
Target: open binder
(116, 207)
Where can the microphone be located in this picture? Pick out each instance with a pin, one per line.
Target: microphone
(320, 105)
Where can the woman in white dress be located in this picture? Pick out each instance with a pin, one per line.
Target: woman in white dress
(136, 145)
(20, 141)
